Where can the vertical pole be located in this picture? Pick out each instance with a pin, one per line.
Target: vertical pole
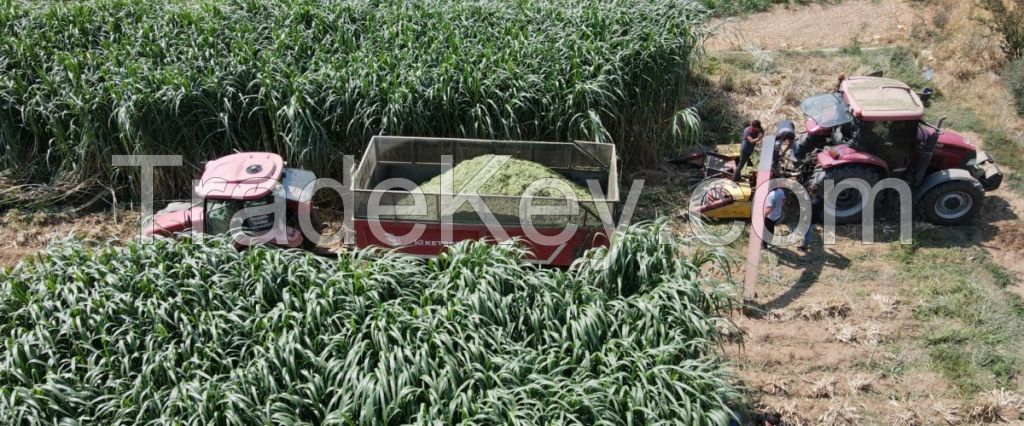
(760, 192)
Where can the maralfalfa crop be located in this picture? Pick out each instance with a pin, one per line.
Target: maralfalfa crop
(313, 80)
(204, 334)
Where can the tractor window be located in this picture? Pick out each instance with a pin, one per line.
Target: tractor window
(892, 141)
(218, 214)
(829, 110)
(872, 137)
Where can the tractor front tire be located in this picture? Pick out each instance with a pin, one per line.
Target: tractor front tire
(952, 203)
(849, 202)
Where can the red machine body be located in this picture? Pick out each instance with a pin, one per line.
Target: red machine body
(235, 182)
(431, 243)
(873, 128)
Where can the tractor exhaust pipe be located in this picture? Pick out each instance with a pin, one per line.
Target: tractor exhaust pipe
(926, 154)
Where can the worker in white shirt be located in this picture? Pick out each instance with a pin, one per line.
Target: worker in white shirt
(774, 204)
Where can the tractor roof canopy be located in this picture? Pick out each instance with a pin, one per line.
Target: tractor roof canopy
(242, 176)
(882, 99)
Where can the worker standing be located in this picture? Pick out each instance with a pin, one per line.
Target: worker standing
(774, 204)
(785, 139)
(752, 135)
(817, 215)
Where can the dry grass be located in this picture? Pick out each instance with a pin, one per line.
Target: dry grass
(777, 315)
(754, 88)
(825, 387)
(950, 414)
(875, 334)
(847, 333)
(997, 405)
(860, 384)
(967, 48)
(977, 53)
(968, 59)
(888, 305)
(831, 309)
(815, 26)
(22, 229)
(871, 333)
(905, 415)
(840, 414)
(775, 386)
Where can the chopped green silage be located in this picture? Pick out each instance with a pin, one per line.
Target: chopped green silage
(511, 177)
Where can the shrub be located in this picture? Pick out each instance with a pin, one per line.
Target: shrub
(1008, 21)
(185, 332)
(1015, 79)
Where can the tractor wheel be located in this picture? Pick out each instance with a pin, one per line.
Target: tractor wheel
(850, 203)
(952, 203)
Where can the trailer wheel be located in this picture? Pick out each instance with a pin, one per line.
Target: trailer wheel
(318, 225)
(850, 202)
(952, 203)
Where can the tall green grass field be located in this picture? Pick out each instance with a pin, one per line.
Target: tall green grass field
(314, 80)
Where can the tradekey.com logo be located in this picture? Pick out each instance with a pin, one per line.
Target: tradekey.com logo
(549, 212)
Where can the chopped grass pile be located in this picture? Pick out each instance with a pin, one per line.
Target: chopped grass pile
(186, 332)
(510, 177)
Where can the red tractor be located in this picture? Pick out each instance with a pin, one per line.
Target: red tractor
(872, 128)
(249, 180)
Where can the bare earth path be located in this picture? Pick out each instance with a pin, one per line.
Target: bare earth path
(816, 26)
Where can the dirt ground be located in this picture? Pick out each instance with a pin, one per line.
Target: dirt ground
(867, 22)
(819, 346)
(22, 234)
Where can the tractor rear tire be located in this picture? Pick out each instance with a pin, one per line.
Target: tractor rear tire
(952, 203)
(849, 203)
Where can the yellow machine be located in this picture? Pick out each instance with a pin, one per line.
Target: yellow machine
(727, 200)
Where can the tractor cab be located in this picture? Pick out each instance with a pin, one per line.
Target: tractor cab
(872, 115)
(238, 182)
(887, 115)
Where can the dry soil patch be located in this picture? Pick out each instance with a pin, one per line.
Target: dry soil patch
(817, 26)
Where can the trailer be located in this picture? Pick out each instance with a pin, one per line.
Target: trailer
(419, 159)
